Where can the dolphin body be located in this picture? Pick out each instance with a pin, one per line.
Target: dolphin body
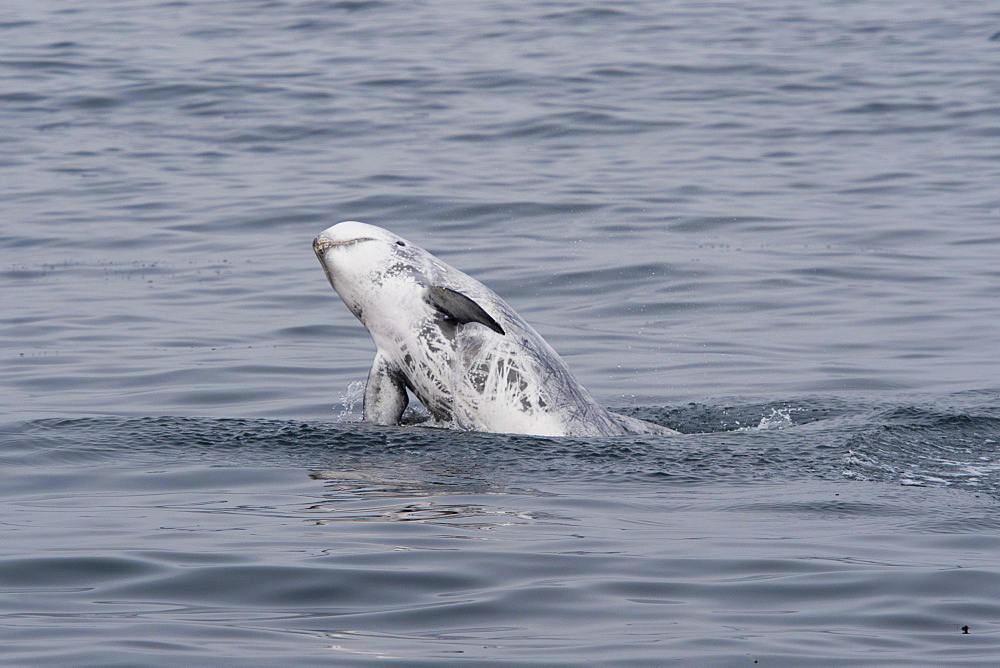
(459, 348)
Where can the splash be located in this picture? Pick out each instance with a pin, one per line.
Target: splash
(779, 418)
(349, 401)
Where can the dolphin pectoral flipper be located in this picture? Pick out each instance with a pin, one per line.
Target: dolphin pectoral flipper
(385, 393)
(456, 306)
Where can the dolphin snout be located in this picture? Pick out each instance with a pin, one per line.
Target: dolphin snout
(320, 244)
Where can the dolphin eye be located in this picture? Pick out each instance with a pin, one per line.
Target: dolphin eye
(400, 243)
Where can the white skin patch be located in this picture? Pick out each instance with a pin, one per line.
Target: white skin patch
(459, 348)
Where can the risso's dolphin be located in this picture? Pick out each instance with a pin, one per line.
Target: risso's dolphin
(461, 350)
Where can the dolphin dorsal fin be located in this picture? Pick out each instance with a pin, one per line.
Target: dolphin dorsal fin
(456, 306)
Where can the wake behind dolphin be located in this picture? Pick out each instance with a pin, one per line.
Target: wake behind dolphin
(451, 341)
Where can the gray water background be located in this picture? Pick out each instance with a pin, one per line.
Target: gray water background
(774, 226)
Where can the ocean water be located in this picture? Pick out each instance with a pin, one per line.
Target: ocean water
(772, 226)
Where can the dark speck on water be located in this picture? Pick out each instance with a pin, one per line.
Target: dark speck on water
(771, 226)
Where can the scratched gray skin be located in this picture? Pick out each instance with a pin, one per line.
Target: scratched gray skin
(466, 355)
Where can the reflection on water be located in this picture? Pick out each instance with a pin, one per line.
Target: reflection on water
(416, 494)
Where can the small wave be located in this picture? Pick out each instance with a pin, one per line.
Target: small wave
(928, 446)
(808, 438)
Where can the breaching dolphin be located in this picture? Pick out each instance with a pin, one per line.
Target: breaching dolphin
(461, 350)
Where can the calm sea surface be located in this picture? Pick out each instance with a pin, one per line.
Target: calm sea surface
(774, 226)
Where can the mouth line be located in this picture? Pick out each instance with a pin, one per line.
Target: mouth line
(320, 245)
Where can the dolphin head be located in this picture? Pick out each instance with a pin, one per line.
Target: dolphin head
(378, 274)
(354, 249)
(394, 287)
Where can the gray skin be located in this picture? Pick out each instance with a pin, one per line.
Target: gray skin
(455, 345)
